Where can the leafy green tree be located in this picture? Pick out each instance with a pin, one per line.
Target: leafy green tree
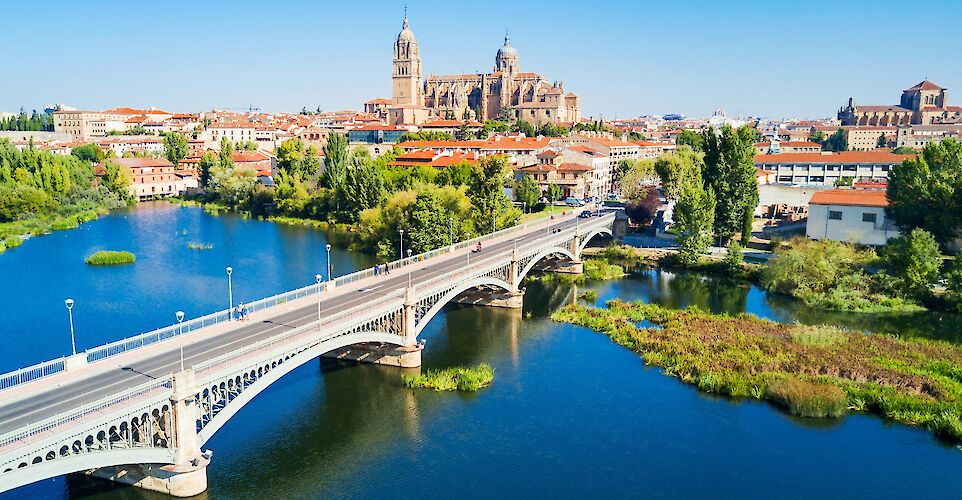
(363, 187)
(818, 136)
(226, 154)
(836, 142)
(459, 174)
(117, 179)
(525, 128)
(89, 152)
(527, 191)
(903, 150)
(491, 204)
(913, 262)
(335, 161)
(926, 192)
(464, 133)
(208, 161)
(175, 147)
(427, 225)
(694, 213)
(553, 192)
(677, 168)
(953, 281)
(734, 256)
(692, 139)
(729, 172)
(290, 154)
(424, 135)
(882, 141)
(19, 200)
(290, 194)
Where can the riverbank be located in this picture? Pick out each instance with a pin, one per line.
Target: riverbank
(815, 371)
(15, 233)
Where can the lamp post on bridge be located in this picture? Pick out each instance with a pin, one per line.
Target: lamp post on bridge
(401, 243)
(318, 278)
(180, 333)
(409, 269)
(73, 340)
(230, 295)
(450, 230)
(328, 247)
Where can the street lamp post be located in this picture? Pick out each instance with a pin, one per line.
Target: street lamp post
(73, 341)
(401, 242)
(230, 295)
(450, 230)
(328, 247)
(318, 277)
(180, 333)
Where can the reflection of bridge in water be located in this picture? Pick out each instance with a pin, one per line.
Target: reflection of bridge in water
(128, 412)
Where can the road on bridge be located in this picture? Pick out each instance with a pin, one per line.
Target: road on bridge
(63, 392)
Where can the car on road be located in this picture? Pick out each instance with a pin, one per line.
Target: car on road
(571, 201)
(585, 214)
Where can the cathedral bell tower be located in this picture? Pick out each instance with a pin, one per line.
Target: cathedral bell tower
(406, 81)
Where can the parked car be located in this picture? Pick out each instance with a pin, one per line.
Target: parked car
(571, 201)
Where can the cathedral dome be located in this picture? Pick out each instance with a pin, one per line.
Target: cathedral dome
(507, 51)
(406, 35)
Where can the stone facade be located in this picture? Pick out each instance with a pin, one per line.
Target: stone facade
(923, 104)
(482, 96)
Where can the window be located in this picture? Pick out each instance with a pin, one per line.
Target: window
(869, 217)
(834, 215)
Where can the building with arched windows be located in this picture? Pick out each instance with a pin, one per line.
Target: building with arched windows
(923, 104)
(506, 92)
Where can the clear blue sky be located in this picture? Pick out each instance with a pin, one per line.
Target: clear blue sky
(774, 58)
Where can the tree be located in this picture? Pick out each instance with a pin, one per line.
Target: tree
(694, 214)
(226, 154)
(208, 161)
(89, 153)
(734, 256)
(290, 154)
(117, 179)
(882, 141)
(643, 209)
(527, 191)
(635, 177)
(729, 173)
(926, 192)
(492, 209)
(818, 136)
(953, 281)
(836, 142)
(427, 226)
(290, 194)
(903, 150)
(524, 127)
(335, 161)
(464, 133)
(363, 186)
(675, 169)
(692, 139)
(423, 135)
(553, 192)
(175, 147)
(19, 200)
(912, 261)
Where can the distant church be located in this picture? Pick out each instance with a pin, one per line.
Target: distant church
(481, 96)
(922, 104)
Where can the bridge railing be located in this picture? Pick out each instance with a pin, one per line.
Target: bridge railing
(99, 407)
(286, 339)
(34, 372)
(105, 351)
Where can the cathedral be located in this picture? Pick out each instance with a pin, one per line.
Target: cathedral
(506, 91)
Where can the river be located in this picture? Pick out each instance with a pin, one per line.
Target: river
(570, 414)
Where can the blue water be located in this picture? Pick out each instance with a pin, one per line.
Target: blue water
(570, 414)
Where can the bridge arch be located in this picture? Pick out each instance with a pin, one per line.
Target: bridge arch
(282, 366)
(454, 292)
(587, 238)
(75, 463)
(542, 254)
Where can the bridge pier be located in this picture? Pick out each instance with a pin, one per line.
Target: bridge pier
(187, 476)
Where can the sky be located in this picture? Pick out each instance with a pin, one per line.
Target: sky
(779, 59)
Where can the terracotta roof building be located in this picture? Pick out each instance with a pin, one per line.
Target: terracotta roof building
(827, 168)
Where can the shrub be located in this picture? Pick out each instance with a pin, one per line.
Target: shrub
(589, 295)
(913, 260)
(12, 241)
(457, 378)
(110, 258)
(818, 335)
(808, 399)
(62, 224)
(735, 255)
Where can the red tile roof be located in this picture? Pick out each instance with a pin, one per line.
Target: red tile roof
(840, 157)
(851, 197)
(925, 85)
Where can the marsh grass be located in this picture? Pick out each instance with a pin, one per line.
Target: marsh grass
(456, 378)
(589, 295)
(810, 370)
(110, 258)
(12, 241)
(200, 246)
(595, 269)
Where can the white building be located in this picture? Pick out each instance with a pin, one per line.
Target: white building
(826, 168)
(852, 215)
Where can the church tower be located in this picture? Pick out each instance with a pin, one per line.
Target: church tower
(407, 87)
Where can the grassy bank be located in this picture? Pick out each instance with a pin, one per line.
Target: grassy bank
(457, 378)
(14, 231)
(812, 371)
(595, 269)
(110, 258)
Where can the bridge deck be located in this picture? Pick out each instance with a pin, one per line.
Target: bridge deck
(34, 401)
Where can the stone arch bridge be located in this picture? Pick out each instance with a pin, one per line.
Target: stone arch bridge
(128, 412)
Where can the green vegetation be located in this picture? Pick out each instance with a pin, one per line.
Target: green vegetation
(41, 192)
(831, 275)
(110, 258)
(598, 269)
(811, 371)
(23, 122)
(175, 147)
(589, 295)
(200, 246)
(836, 142)
(926, 191)
(12, 241)
(457, 378)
